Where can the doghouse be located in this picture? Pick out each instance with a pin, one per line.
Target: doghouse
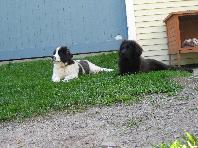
(181, 26)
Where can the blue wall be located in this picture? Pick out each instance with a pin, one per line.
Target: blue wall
(33, 28)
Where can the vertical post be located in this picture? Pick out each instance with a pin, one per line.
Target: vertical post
(178, 59)
(130, 19)
(170, 60)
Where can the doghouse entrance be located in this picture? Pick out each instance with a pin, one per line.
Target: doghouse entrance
(182, 33)
(188, 26)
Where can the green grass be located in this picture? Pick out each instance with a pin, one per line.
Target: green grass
(26, 89)
(188, 141)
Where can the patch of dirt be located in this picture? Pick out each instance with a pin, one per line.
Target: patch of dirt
(159, 118)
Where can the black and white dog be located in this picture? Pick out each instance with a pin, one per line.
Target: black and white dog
(66, 69)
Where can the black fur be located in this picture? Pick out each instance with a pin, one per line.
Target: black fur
(85, 66)
(130, 60)
(65, 55)
(80, 70)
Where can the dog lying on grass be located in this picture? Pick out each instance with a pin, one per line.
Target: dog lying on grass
(65, 68)
(131, 61)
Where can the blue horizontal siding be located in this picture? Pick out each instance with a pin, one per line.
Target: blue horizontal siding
(34, 28)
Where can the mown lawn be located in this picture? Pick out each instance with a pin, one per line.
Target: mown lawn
(26, 89)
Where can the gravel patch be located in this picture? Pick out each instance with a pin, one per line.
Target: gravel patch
(158, 118)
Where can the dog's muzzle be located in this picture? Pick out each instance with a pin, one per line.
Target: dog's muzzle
(53, 58)
(123, 51)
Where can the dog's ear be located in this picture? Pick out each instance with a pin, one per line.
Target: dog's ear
(123, 42)
(65, 55)
(138, 48)
(69, 54)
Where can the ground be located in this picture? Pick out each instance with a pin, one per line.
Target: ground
(157, 118)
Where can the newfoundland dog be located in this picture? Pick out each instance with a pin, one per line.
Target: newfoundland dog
(130, 60)
(65, 68)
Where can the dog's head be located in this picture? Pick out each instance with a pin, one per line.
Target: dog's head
(129, 49)
(62, 54)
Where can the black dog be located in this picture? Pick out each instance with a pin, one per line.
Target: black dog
(130, 60)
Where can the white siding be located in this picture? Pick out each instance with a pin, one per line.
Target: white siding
(151, 30)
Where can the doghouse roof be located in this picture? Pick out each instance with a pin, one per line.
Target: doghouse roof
(181, 13)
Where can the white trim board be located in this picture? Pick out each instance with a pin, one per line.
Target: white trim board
(130, 19)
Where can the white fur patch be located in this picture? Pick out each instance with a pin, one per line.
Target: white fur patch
(57, 57)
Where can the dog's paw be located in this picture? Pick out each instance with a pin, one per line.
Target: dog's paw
(70, 77)
(65, 80)
(56, 79)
